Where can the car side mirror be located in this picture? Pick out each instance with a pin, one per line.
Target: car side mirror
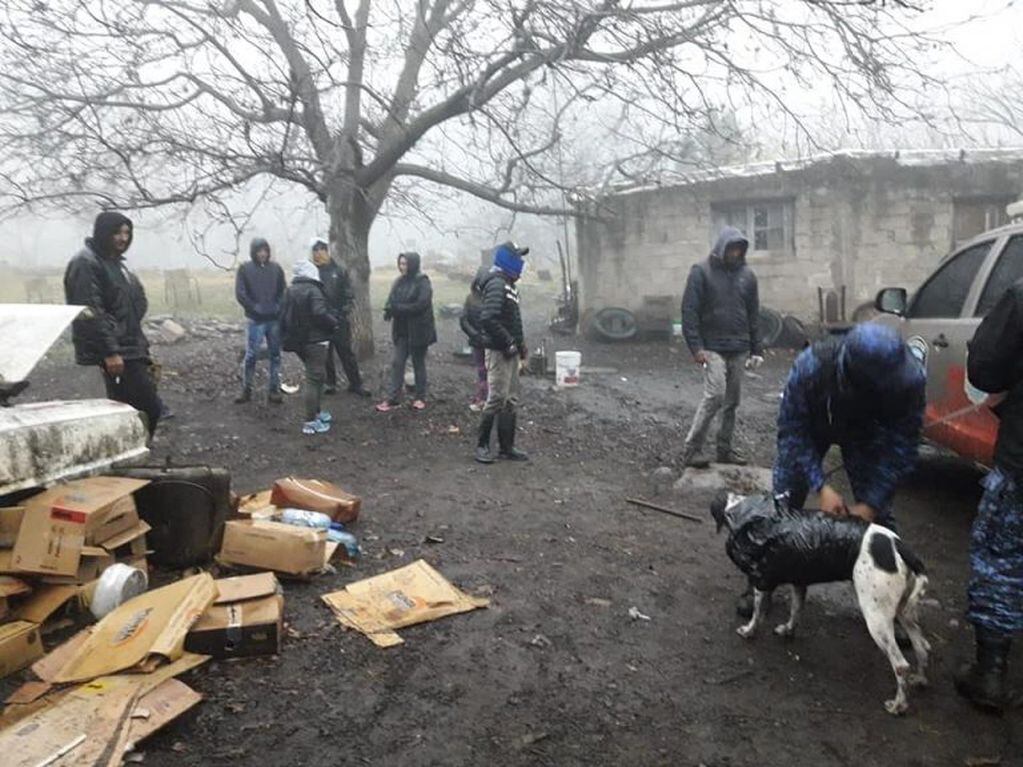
(892, 301)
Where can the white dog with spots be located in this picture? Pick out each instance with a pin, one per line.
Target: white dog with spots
(774, 546)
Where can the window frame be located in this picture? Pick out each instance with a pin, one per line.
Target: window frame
(971, 296)
(989, 274)
(787, 208)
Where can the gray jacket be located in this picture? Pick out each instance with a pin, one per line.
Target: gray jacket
(720, 306)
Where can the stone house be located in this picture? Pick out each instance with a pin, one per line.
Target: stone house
(861, 220)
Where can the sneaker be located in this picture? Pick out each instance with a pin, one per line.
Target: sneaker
(360, 391)
(275, 397)
(483, 455)
(733, 456)
(418, 405)
(315, 427)
(476, 406)
(386, 406)
(324, 417)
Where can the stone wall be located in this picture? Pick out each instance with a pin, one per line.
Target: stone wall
(864, 222)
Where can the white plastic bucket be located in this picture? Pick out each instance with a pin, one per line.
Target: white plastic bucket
(566, 368)
(117, 585)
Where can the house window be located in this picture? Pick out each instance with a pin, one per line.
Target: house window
(767, 224)
(975, 215)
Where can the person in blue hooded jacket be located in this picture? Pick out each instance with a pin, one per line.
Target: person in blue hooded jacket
(720, 310)
(865, 393)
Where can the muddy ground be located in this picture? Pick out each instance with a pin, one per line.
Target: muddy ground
(554, 672)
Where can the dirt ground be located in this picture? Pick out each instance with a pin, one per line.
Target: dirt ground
(554, 672)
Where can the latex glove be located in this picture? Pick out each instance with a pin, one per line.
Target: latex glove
(510, 352)
(701, 357)
(832, 502)
(523, 353)
(754, 361)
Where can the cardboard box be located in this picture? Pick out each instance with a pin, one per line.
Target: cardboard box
(10, 522)
(129, 545)
(59, 522)
(316, 495)
(19, 646)
(274, 546)
(91, 564)
(239, 629)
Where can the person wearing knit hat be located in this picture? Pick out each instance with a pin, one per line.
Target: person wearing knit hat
(501, 321)
(865, 393)
(307, 325)
(108, 334)
(338, 289)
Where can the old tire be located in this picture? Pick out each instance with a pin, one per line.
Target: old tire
(770, 324)
(793, 334)
(614, 324)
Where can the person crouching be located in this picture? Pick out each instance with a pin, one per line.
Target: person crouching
(307, 325)
(506, 346)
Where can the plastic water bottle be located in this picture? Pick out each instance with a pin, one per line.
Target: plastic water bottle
(349, 541)
(302, 518)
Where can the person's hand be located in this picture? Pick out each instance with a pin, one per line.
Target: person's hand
(864, 511)
(701, 357)
(114, 365)
(510, 352)
(832, 502)
(523, 353)
(754, 361)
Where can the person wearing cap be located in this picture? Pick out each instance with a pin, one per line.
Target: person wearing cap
(865, 393)
(720, 316)
(409, 309)
(995, 592)
(501, 321)
(338, 289)
(108, 333)
(259, 288)
(307, 325)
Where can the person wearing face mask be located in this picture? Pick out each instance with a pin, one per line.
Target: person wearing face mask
(720, 309)
(108, 333)
(409, 309)
(338, 290)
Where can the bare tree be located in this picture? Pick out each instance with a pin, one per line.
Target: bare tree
(144, 103)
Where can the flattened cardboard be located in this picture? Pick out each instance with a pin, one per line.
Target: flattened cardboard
(44, 602)
(7, 562)
(316, 495)
(165, 704)
(413, 594)
(242, 587)
(10, 523)
(139, 633)
(19, 646)
(13, 587)
(239, 629)
(256, 505)
(274, 546)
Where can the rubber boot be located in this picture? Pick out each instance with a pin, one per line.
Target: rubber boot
(483, 454)
(506, 437)
(983, 682)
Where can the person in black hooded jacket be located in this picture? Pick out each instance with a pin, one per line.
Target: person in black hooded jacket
(720, 311)
(409, 309)
(472, 325)
(338, 289)
(108, 333)
(259, 288)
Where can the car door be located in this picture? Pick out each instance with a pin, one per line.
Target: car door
(939, 322)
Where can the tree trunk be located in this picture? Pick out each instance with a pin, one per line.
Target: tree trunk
(349, 246)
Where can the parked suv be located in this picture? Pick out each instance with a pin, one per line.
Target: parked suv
(939, 320)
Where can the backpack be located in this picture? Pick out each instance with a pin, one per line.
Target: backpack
(292, 332)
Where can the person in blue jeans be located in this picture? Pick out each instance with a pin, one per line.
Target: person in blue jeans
(259, 288)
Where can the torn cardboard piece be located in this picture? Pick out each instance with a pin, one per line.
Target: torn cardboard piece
(10, 523)
(19, 646)
(274, 546)
(164, 704)
(256, 505)
(413, 594)
(138, 635)
(44, 602)
(13, 587)
(316, 495)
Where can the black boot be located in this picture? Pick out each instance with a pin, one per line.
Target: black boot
(983, 682)
(483, 454)
(245, 396)
(506, 436)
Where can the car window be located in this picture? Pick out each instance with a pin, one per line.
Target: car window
(1008, 269)
(944, 294)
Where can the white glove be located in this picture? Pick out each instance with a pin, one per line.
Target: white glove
(754, 361)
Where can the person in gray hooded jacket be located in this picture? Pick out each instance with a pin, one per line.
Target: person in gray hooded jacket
(720, 309)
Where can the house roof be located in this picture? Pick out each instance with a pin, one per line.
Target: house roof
(907, 158)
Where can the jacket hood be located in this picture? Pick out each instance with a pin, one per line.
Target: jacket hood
(313, 242)
(729, 236)
(257, 244)
(103, 228)
(306, 269)
(414, 261)
(873, 358)
(481, 277)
